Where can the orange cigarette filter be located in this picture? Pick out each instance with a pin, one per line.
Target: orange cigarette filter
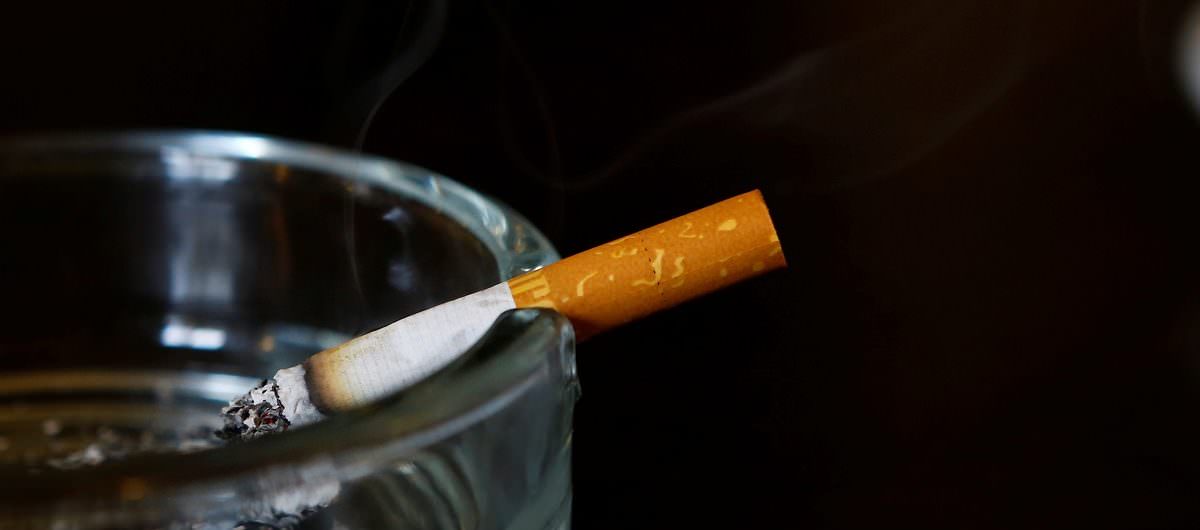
(658, 267)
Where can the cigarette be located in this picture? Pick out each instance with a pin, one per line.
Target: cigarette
(597, 290)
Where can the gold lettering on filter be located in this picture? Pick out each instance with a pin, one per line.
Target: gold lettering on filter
(655, 269)
(548, 303)
(579, 286)
(622, 252)
(686, 233)
(678, 267)
(533, 283)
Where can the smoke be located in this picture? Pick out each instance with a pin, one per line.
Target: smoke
(871, 106)
(853, 110)
(417, 35)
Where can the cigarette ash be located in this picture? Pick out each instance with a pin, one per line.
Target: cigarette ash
(256, 414)
(108, 444)
(281, 521)
(259, 413)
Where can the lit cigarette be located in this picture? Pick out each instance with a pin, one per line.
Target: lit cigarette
(596, 290)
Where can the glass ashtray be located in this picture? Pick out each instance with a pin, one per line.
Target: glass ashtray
(150, 277)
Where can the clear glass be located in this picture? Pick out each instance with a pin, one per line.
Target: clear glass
(150, 277)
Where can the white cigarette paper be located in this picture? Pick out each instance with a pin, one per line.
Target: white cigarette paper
(390, 359)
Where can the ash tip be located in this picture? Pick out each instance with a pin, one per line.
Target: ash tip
(255, 414)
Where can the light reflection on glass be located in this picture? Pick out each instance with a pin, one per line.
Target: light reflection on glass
(180, 335)
(179, 164)
(1189, 56)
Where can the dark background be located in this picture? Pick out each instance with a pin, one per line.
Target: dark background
(990, 319)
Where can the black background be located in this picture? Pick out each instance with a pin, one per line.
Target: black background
(990, 316)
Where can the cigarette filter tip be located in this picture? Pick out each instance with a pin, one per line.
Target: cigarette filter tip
(658, 267)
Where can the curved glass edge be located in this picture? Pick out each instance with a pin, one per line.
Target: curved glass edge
(395, 426)
(517, 245)
(483, 443)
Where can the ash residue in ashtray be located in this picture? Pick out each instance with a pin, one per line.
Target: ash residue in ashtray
(110, 444)
(258, 413)
(280, 520)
